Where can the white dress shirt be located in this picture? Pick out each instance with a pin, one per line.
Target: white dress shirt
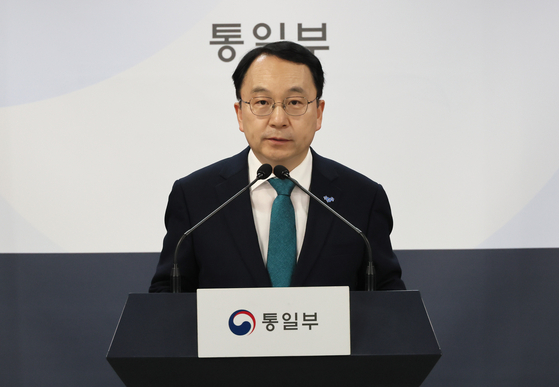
(262, 196)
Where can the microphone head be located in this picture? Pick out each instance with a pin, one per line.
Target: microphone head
(264, 171)
(281, 172)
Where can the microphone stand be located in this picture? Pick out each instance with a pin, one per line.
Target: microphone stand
(283, 173)
(263, 172)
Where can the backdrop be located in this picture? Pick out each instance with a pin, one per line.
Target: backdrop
(451, 106)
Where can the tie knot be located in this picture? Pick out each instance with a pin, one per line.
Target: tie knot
(282, 187)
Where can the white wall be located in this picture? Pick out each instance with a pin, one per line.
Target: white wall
(452, 106)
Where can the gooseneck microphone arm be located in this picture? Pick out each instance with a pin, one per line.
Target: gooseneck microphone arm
(263, 172)
(283, 173)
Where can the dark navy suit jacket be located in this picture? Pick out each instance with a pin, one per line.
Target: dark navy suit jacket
(224, 252)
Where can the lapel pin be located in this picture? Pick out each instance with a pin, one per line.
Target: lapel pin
(328, 199)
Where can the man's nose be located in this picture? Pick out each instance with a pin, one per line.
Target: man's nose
(278, 116)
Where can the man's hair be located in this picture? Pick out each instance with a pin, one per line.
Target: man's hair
(285, 50)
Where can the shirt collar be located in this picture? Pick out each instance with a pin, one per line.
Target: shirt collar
(302, 173)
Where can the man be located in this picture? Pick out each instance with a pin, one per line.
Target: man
(279, 109)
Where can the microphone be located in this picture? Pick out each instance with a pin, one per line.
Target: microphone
(283, 173)
(263, 172)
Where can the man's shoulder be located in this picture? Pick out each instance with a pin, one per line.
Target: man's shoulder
(217, 171)
(335, 170)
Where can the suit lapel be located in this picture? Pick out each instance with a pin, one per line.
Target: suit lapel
(239, 218)
(319, 219)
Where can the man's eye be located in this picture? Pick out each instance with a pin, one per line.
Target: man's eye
(260, 102)
(295, 102)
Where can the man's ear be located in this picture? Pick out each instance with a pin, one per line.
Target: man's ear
(319, 112)
(239, 112)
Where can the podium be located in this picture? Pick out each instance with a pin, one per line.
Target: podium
(392, 344)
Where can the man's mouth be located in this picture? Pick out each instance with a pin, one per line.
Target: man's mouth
(278, 139)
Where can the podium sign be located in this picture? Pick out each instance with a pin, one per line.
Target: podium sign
(273, 322)
(392, 345)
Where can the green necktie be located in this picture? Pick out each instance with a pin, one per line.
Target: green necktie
(282, 245)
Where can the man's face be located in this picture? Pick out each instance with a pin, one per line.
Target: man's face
(279, 138)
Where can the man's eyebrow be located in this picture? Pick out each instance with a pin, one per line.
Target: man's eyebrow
(297, 89)
(259, 89)
(294, 89)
